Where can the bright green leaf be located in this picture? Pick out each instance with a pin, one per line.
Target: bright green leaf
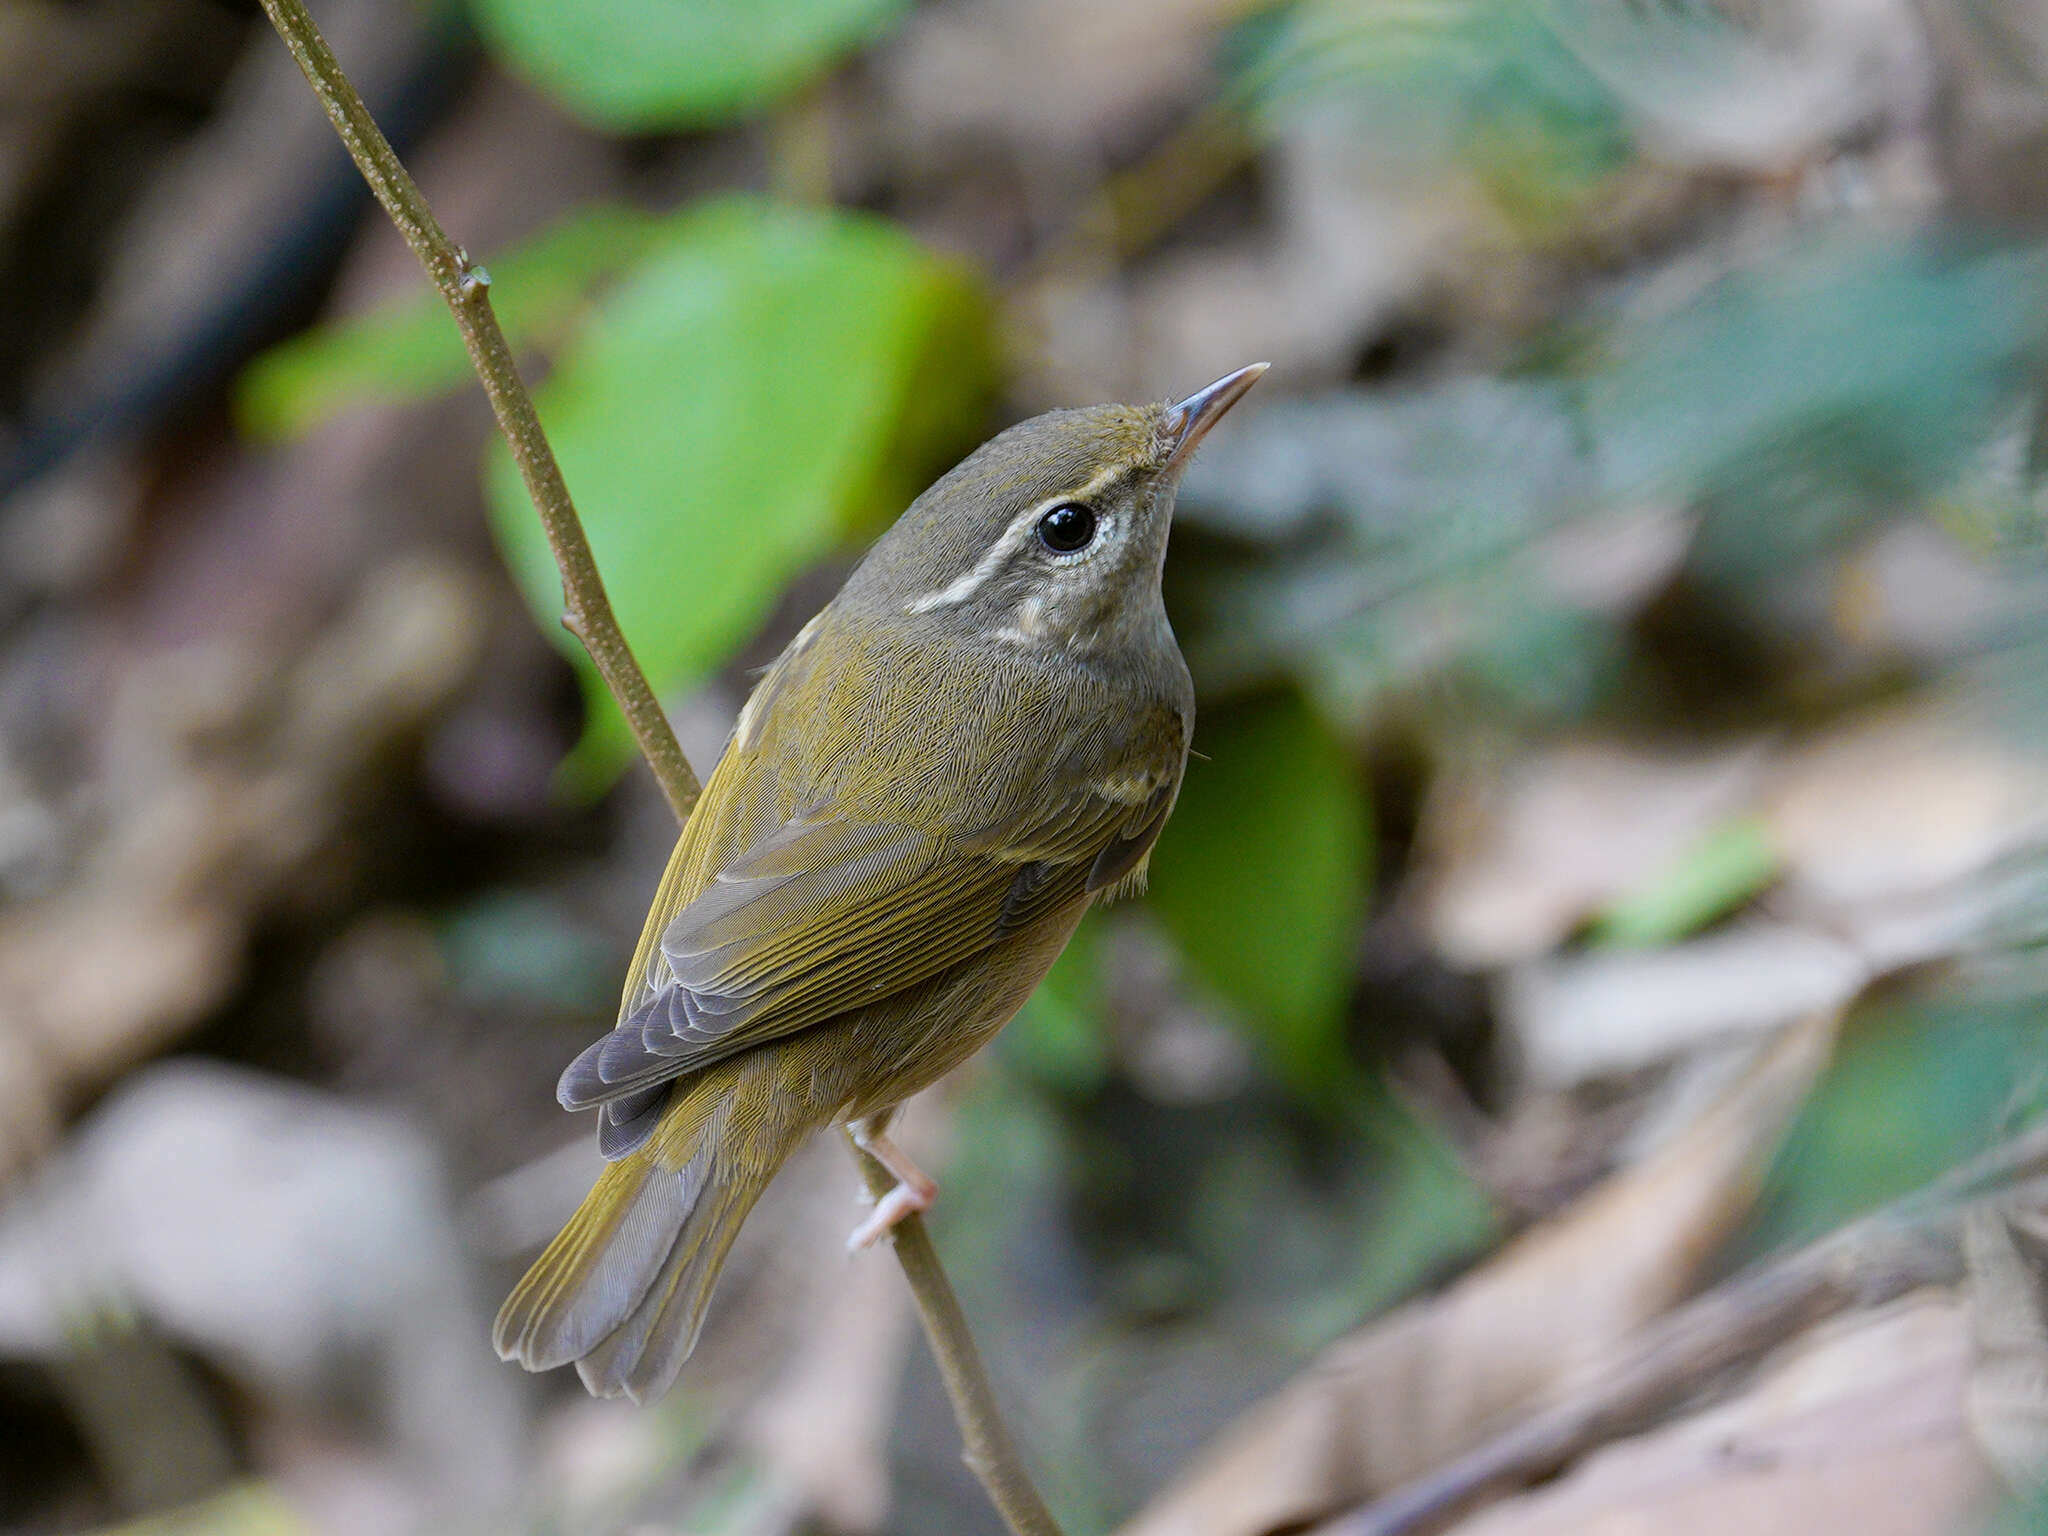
(1261, 875)
(410, 349)
(1720, 872)
(647, 65)
(736, 405)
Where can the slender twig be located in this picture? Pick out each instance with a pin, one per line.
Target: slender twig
(989, 1449)
(466, 288)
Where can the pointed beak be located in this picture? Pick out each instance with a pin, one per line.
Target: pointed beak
(1189, 421)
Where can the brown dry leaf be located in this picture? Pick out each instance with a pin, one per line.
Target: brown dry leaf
(1358, 237)
(1901, 803)
(1990, 110)
(1608, 1011)
(1566, 831)
(1782, 92)
(223, 775)
(1891, 833)
(1887, 809)
(301, 1244)
(1915, 590)
(1430, 1380)
(1858, 1427)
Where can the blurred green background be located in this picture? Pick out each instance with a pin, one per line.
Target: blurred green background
(1620, 623)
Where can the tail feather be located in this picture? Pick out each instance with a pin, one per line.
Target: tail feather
(642, 1357)
(601, 1264)
(623, 1288)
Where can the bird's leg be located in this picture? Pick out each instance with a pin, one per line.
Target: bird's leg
(914, 1192)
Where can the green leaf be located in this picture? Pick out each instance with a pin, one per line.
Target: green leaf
(1913, 1092)
(767, 381)
(410, 349)
(1720, 872)
(646, 65)
(1261, 876)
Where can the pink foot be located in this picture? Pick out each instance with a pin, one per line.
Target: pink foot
(900, 1202)
(914, 1192)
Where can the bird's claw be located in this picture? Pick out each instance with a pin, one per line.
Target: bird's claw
(900, 1202)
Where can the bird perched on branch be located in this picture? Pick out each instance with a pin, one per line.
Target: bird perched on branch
(977, 738)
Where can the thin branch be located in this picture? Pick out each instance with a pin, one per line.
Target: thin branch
(1914, 1242)
(988, 1448)
(467, 290)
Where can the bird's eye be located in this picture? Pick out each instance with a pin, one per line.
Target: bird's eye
(1066, 528)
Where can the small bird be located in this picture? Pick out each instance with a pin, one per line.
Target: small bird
(977, 738)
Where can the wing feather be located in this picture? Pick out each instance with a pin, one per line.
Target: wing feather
(774, 916)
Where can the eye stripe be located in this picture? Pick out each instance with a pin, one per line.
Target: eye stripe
(1023, 526)
(964, 587)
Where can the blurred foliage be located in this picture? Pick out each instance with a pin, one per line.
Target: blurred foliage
(1917, 1088)
(1543, 106)
(1796, 400)
(1392, 542)
(1490, 84)
(1059, 1040)
(760, 383)
(523, 944)
(1224, 1243)
(407, 350)
(1718, 874)
(246, 1509)
(1733, 396)
(1261, 877)
(1789, 404)
(2028, 1516)
(766, 383)
(636, 66)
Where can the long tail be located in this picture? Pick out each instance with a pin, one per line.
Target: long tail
(623, 1288)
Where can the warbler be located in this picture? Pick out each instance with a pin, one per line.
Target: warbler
(978, 737)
